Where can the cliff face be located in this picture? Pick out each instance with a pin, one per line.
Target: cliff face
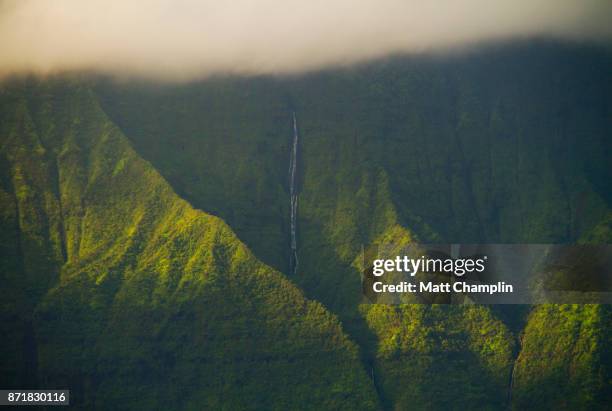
(119, 289)
(507, 144)
(129, 283)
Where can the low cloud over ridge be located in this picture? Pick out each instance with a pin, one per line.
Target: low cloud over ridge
(186, 39)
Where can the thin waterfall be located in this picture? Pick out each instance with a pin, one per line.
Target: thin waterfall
(293, 258)
(511, 386)
(513, 372)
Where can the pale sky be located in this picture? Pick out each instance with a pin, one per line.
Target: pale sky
(188, 39)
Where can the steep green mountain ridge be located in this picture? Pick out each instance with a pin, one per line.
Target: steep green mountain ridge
(115, 286)
(508, 144)
(123, 292)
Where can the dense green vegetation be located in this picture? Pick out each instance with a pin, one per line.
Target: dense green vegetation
(427, 355)
(509, 144)
(565, 358)
(223, 145)
(156, 305)
(116, 286)
(502, 145)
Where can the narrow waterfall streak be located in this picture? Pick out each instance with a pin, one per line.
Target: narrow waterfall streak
(513, 372)
(511, 386)
(293, 259)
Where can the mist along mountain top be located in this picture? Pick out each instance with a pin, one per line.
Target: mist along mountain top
(114, 285)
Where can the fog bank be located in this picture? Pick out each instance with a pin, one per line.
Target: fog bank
(187, 39)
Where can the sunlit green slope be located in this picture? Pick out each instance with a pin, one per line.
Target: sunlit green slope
(115, 287)
(565, 359)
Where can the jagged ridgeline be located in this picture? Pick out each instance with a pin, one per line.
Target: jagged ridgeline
(118, 288)
(115, 287)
